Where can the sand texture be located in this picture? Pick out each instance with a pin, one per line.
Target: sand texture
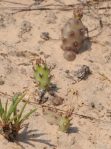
(22, 41)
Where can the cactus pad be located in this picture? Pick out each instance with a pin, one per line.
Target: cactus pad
(42, 75)
(64, 124)
(73, 35)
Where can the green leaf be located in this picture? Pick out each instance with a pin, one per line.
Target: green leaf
(15, 109)
(1, 109)
(14, 105)
(21, 112)
(27, 116)
(15, 97)
(13, 118)
(4, 116)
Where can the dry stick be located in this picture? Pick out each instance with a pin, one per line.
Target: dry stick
(73, 113)
(5, 94)
(46, 8)
(62, 111)
(42, 9)
(11, 2)
(23, 9)
(88, 3)
(104, 77)
(40, 6)
(65, 112)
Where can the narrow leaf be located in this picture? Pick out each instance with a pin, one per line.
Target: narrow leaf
(27, 116)
(22, 110)
(1, 109)
(14, 105)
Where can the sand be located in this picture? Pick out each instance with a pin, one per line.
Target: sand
(20, 46)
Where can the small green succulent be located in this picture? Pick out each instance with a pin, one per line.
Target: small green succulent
(10, 119)
(64, 124)
(42, 75)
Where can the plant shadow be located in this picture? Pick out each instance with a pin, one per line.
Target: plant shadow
(73, 130)
(30, 136)
(54, 88)
(86, 45)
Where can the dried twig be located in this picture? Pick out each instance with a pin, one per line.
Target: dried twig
(12, 2)
(104, 77)
(59, 110)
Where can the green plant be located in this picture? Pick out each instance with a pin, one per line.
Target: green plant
(19, 118)
(64, 121)
(10, 119)
(64, 124)
(58, 117)
(42, 75)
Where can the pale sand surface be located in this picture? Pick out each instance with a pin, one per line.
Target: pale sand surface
(16, 72)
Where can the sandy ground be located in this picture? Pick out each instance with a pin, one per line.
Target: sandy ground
(20, 46)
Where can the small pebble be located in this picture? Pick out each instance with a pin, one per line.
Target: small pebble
(45, 36)
(83, 72)
(69, 55)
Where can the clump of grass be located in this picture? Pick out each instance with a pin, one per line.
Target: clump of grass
(11, 119)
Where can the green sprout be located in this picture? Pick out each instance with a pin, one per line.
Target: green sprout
(64, 124)
(65, 120)
(10, 119)
(42, 75)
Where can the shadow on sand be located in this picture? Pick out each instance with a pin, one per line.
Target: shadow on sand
(30, 136)
(73, 130)
(86, 45)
